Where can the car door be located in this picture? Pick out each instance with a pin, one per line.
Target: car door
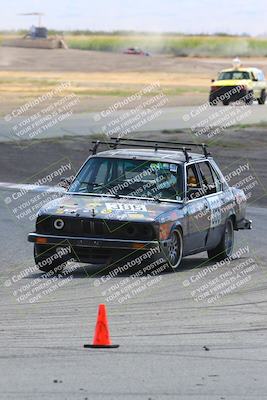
(197, 211)
(261, 82)
(214, 195)
(257, 85)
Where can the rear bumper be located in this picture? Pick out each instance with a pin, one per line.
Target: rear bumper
(244, 224)
(93, 243)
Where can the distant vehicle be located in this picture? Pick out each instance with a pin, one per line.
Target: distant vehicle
(136, 51)
(145, 196)
(238, 83)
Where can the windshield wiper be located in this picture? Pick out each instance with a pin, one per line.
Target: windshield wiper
(91, 183)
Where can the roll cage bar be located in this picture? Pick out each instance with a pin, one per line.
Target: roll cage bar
(185, 147)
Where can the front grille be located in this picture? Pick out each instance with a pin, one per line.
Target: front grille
(222, 90)
(89, 227)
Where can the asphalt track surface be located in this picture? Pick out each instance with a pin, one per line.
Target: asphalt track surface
(167, 118)
(171, 346)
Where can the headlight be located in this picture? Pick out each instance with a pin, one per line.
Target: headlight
(59, 223)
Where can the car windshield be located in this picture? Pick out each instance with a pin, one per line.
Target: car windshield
(135, 178)
(233, 75)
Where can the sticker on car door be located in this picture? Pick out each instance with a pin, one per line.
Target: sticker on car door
(215, 205)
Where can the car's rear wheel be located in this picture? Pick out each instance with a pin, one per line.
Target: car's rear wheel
(226, 102)
(262, 99)
(226, 245)
(173, 252)
(48, 259)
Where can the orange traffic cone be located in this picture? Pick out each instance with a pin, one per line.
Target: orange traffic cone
(101, 338)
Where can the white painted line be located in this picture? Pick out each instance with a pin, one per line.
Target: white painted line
(31, 188)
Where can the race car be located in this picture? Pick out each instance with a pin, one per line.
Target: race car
(238, 83)
(141, 195)
(136, 51)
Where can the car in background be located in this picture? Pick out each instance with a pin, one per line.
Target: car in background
(238, 83)
(136, 51)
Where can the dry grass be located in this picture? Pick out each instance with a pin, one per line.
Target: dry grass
(196, 46)
(98, 90)
(108, 83)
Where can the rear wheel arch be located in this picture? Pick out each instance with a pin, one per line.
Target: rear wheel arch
(225, 248)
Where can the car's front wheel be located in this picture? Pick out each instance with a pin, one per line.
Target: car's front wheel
(226, 245)
(173, 252)
(249, 98)
(262, 99)
(212, 101)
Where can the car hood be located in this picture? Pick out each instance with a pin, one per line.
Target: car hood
(231, 82)
(123, 209)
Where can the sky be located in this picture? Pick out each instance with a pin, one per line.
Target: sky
(186, 16)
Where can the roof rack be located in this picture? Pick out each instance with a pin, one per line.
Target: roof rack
(159, 144)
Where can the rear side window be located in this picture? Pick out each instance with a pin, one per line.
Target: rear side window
(261, 76)
(210, 182)
(193, 186)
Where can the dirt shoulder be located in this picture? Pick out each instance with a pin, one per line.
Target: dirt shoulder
(58, 60)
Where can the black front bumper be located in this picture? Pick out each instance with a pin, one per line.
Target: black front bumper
(92, 243)
(227, 94)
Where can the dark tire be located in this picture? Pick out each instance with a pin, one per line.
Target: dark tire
(226, 245)
(212, 102)
(226, 102)
(173, 252)
(44, 259)
(249, 98)
(262, 99)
